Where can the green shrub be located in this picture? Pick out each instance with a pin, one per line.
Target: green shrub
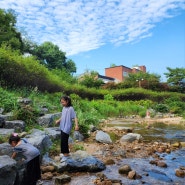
(54, 150)
(19, 71)
(161, 108)
(3, 139)
(175, 104)
(8, 101)
(142, 113)
(28, 114)
(108, 97)
(77, 146)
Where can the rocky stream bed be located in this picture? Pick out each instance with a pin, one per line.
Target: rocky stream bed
(156, 159)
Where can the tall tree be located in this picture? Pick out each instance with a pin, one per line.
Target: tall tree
(9, 35)
(50, 55)
(176, 77)
(29, 46)
(70, 66)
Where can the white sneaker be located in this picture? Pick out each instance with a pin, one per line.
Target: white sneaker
(64, 158)
(39, 182)
(61, 155)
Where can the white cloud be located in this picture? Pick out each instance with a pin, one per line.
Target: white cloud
(77, 26)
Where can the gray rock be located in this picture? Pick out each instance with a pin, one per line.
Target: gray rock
(77, 136)
(24, 101)
(40, 140)
(80, 161)
(62, 179)
(5, 149)
(92, 128)
(103, 137)
(1, 110)
(17, 125)
(6, 132)
(125, 169)
(7, 116)
(46, 160)
(8, 170)
(2, 122)
(48, 119)
(53, 132)
(43, 111)
(130, 137)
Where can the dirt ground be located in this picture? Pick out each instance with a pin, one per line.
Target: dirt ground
(173, 120)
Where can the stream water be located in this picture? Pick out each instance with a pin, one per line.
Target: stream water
(151, 174)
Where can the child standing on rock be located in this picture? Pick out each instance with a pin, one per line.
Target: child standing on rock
(31, 158)
(66, 121)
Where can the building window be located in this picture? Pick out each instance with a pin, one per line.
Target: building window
(125, 74)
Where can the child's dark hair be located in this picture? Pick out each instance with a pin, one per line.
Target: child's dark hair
(14, 137)
(67, 99)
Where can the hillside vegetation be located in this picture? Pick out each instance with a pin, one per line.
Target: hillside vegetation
(20, 71)
(25, 77)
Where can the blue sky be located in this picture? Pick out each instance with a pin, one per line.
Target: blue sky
(96, 34)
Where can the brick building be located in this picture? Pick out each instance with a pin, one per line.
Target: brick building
(120, 72)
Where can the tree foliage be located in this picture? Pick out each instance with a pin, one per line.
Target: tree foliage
(64, 75)
(90, 79)
(140, 79)
(70, 66)
(50, 55)
(28, 45)
(8, 32)
(176, 78)
(175, 75)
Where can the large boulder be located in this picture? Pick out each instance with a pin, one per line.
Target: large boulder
(5, 149)
(39, 139)
(53, 132)
(7, 116)
(48, 119)
(2, 122)
(17, 125)
(8, 170)
(80, 161)
(6, 132)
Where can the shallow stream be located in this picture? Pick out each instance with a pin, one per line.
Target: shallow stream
(151, 174)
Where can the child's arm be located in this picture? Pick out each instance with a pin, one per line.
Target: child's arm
(76, 124)
(14, 155)
(57, 121)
